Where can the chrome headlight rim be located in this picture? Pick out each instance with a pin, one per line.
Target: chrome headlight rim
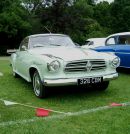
(53, 66)
(115, 62)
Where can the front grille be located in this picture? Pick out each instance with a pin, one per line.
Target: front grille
(87, 65)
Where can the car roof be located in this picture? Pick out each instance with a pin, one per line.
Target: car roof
(95, 39)
(52, 34)
(123, 33)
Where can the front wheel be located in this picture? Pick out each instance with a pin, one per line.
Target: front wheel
(38, 87)
(102, 86)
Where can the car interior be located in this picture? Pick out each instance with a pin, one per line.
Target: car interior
(124, 40)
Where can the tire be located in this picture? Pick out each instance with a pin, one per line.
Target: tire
(38, 87)
(15, 75)
(102, 86)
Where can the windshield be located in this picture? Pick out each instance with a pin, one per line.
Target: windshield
(50, 40)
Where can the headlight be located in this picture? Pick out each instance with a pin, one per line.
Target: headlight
(54, 66)
(115, 62)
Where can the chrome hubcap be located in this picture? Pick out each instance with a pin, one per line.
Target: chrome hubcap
(36, 84)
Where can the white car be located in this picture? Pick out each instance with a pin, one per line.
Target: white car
(94, 42)
(54, 60)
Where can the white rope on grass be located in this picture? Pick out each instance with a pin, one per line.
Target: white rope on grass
(69, 114)
(7, 103)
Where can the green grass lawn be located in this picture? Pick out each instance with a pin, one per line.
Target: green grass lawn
(110, 121)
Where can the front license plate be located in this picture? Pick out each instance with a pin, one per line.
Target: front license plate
(90, 80)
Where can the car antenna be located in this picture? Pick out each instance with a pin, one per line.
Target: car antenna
(47, 29)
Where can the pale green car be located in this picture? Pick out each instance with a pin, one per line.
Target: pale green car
(54, 60)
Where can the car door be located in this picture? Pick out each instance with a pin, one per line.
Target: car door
(109, 46)
(21, 58)
(123, 50)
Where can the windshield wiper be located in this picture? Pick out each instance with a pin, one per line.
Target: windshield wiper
(55, 44)
(38, 45)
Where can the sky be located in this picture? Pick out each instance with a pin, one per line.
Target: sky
(106, 0)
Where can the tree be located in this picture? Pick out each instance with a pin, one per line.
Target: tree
(81, 19)
(72, 18)
(120, 10)
(13, 23)
(102, 14)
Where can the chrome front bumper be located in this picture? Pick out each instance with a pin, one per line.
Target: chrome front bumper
(73, 81)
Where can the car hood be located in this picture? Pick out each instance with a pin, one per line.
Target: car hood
(68, 53)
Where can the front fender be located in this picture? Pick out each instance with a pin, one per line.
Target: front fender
(40, 67)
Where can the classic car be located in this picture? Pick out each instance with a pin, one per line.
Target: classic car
(55, 60)
(94, 42)
(118, 44)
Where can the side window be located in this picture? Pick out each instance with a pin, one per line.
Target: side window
(111, 41)
(87, 42)
(124, 40)
(24, 45)
(91, 43)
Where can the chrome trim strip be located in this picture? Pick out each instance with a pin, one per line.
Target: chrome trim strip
(122, 53)
(84, 65)
(73, 81)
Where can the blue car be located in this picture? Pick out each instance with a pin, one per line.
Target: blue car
(119, 44)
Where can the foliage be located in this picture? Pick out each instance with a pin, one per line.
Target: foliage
(120, 11)
(81, 19)
(72, 19)
(14, 23)
(103, 16)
